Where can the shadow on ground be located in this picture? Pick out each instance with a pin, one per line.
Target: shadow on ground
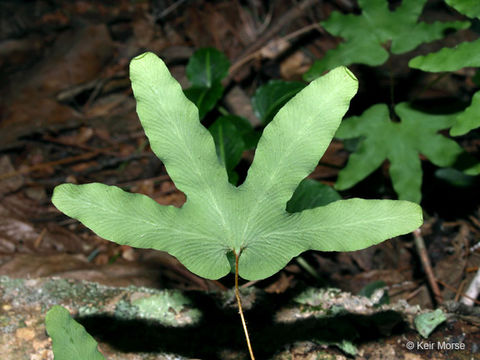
(220, 329)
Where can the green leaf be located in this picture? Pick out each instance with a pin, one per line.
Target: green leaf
(369, 289)
(70, 340)
(311, 194)
(205, 98)
(244, 128)
(229, 144)
(455, 177)
(471, 8)
(466, 54)
(219, 218)
(206, 67)
(426, 323)
(126, 218)
(269, 98)
(473, 170)
(366, 35)
(469, 119)
(398, 142)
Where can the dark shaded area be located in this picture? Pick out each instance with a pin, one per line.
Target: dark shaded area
(219, 328)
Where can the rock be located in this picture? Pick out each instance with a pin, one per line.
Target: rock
(25, 303)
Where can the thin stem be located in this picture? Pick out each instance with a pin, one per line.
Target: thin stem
(392, 84)
(392, 89)
(428, 86)
(237, 295)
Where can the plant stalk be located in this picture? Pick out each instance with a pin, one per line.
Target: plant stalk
(239, 301)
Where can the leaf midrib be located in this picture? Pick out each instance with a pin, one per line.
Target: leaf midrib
(273, 175)
(194, 164)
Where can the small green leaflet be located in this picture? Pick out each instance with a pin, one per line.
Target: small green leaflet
(229, 144)
(366, 35)
(466, 54)
(232, 136)
(206, 67)
(219, 218)
(311, 194)
(269, 98)
(205, 98)
(205, 70)
(398, 142)
(249, 136)
(471, 8)
(469, 119)
(70, 340)
(427, 322)
(455, 177)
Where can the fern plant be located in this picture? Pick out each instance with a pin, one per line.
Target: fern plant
(400, 143)
(371, 37)
(398, 132)
(221, 227)
(466, 54)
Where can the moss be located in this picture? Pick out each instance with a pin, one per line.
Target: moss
(7, 284)
(170, 308)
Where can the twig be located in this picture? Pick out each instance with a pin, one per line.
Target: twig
(219, 285)
(472, 291)
(39, 238)
(460, 290)
(169, 10)
(413, 293)
(256, 54)
(422, 252)
(248, 284)
(251, 51)
(300, 31)
(98, 87)
(68, 160)
(449, 287)
(239, 301)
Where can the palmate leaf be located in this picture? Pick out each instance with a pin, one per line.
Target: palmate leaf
(70, 340)
(366, 35)
(466, 54)
(219, 218)
(398, 142)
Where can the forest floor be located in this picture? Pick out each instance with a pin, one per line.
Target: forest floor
(68, 115)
